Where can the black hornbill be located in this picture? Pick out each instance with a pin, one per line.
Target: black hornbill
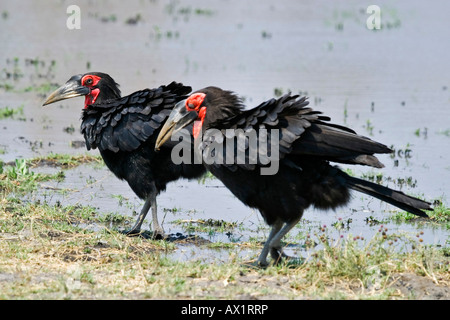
(124, 129)
(303, 140)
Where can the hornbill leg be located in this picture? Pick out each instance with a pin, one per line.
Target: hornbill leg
(262, 260)
(136, 229)
(275, 244)
(158, 231)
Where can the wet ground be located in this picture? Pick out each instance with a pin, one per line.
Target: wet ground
(390, 84)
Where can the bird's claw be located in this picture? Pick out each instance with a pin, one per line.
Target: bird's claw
(153, 235)
(279, 256)
(131, 232)
(158, 234)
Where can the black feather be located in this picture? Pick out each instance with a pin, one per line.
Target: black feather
(307, 143)
(124, 129)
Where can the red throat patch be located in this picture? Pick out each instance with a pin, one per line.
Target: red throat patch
(199, 123)
(91, 97)
(193, 103)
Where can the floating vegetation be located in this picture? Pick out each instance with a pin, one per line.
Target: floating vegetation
(134, 20)
(209, 226)
(266, 34)
(441, 213)
(40, 76)
(159, 34)
(421, 132)
(342, 224)
(371, 221)
(369, 127)
(110, 18)
(187, 11)
(12, 113)
(405, 152)
(65, 161)
(69, 130)
(345, 111)
(379, 178)
(342, 18)
(278, 92)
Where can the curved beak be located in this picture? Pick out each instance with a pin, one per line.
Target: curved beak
(178, 119)
(69, 90)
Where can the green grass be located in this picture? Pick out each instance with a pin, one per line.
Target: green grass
(445, 132)
(48, 252)
(117, 266)
(439, 215)
(210, 226)
(75, 252)
(43, 88)
(66, 160)
(206, 177)
(13, 113)
(19, 178)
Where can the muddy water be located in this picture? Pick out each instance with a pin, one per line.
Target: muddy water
(391, 85)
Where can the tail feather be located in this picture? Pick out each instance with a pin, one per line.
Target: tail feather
(394, 197)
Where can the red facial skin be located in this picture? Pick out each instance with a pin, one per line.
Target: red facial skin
(90, 81)
(193, 103)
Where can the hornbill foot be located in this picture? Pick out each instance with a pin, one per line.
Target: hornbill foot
(278, 255)
(153, 235)
(283, 258)
(262, 264)
(158, 234)
(255, 264)
(132, 232)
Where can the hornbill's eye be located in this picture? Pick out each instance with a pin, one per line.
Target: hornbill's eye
(88, 81)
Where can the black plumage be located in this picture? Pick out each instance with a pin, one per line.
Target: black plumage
(124, 129)
(306, 144)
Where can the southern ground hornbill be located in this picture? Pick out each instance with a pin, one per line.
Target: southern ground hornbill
(124, 129)
(303, 140)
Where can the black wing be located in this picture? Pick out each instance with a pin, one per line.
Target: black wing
(301, 131)
(124, 124)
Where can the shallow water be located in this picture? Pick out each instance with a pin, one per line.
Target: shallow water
(388, 84)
